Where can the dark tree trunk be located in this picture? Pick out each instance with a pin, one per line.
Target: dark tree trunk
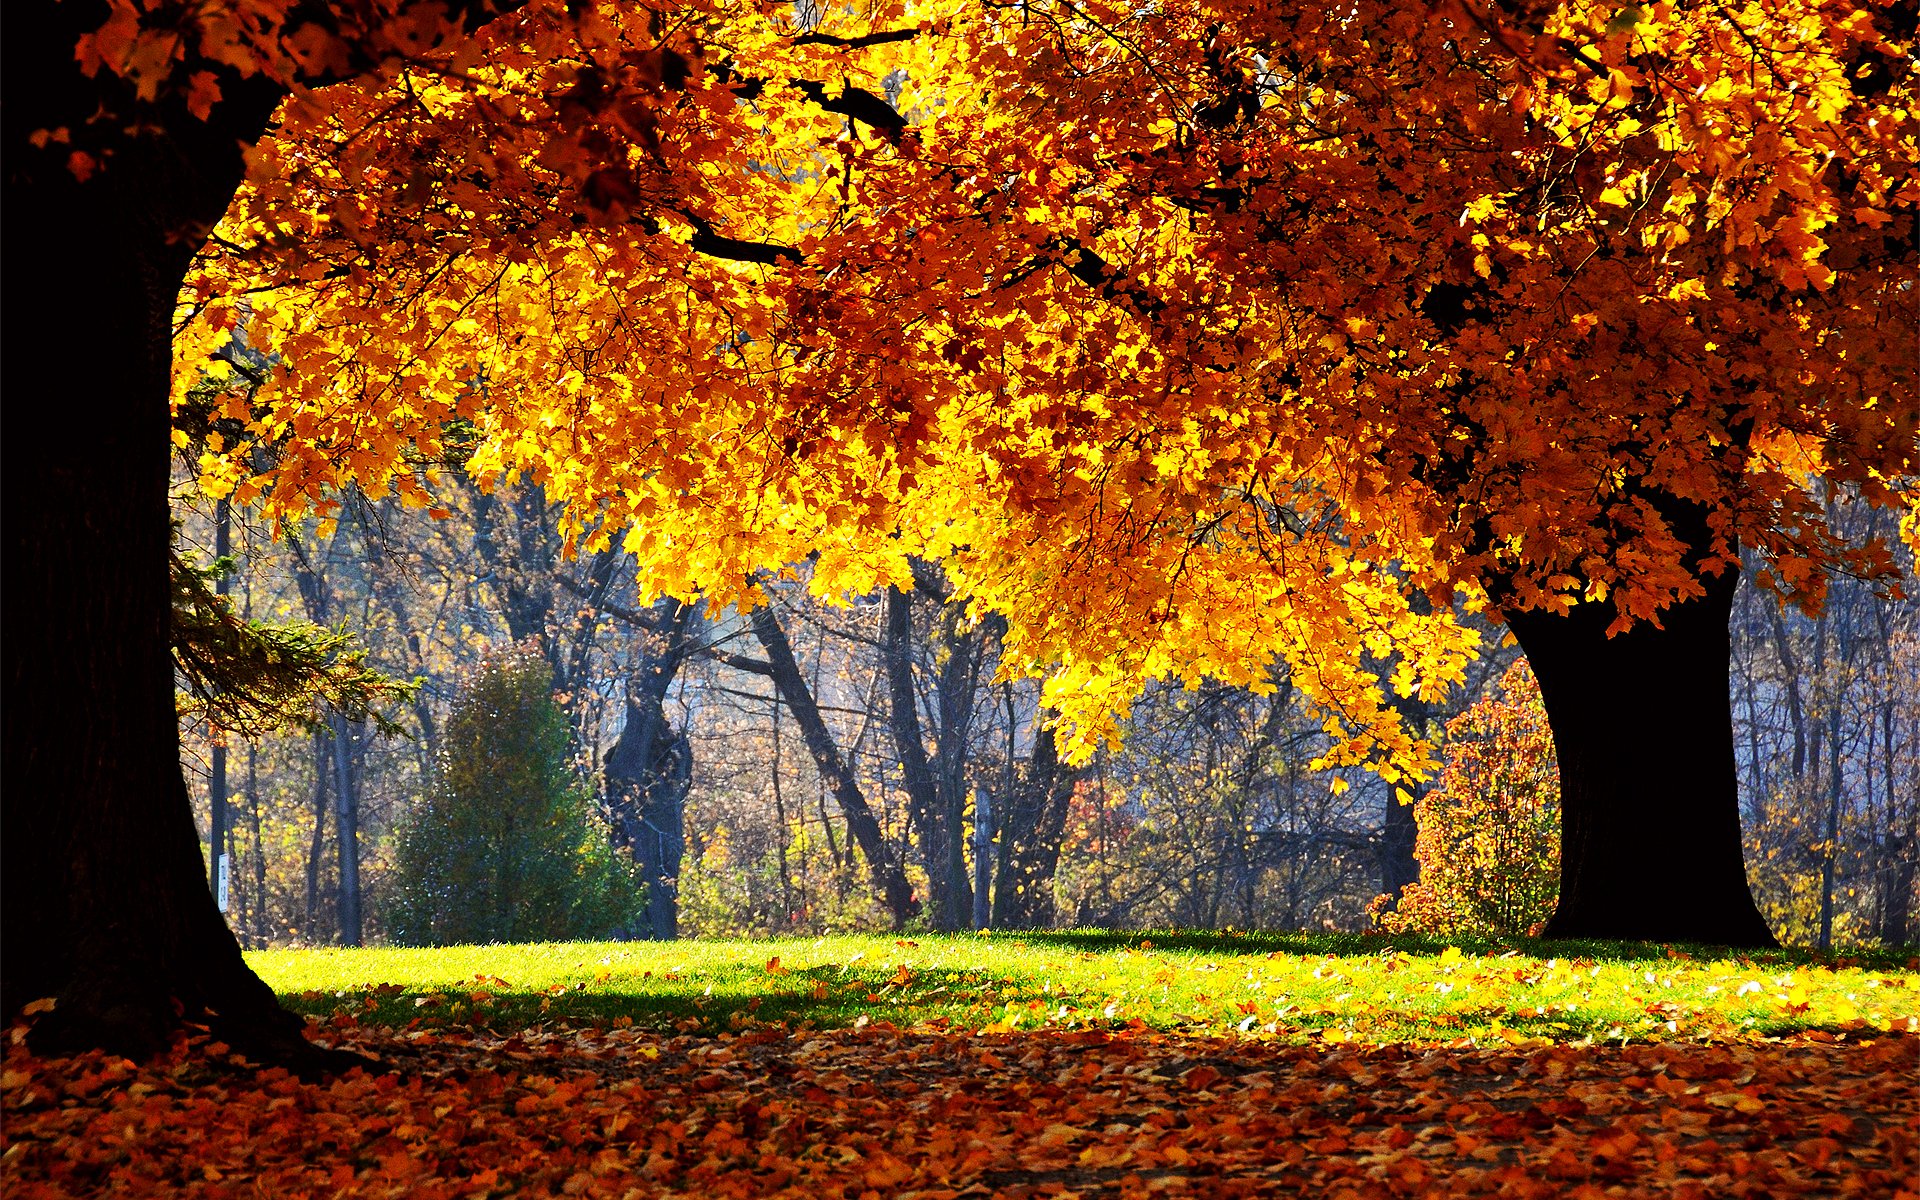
(104, 899)
(649, 772)
(949, 906)
(1399, 833)
(1032, 823)
(955, 694)
(106, 906)
(1650, 817)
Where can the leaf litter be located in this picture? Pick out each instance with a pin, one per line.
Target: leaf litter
(924, 1113)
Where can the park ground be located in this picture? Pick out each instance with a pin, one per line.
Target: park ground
(1034, 1065)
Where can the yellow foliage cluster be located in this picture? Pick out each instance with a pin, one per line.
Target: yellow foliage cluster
(1189, 335)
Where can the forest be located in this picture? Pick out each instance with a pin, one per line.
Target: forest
(960, 597)
(697, 758)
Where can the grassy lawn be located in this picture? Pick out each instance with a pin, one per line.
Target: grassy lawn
(1291, 987)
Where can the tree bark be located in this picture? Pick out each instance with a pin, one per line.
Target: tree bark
(105, 900)
(1032, 823)
(346, 814)
(103, 903)
(1650, 826)
(1399, 832)
(649, 772)
(949, 907)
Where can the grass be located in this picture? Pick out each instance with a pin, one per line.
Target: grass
(1294, 987)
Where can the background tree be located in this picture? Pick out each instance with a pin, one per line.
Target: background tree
(1115, 367)
(1230, 825)
(505, 847)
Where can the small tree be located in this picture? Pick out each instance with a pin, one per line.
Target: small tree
(506, 846)
(1489, 840)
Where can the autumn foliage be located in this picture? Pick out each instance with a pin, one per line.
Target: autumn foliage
(1228, 341)
(1488, 845)
(1250, 321)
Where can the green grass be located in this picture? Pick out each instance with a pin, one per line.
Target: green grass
(1296, 987)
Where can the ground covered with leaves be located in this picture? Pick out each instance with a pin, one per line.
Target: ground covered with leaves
(898, 1096)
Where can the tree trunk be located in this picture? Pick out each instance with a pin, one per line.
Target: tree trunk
(888, 875)
(649, 772)
(948, 908)
(982, 857)
(1650, 826)
(106, 906)
(1032, 823)
(346, 814)
(261, 933)
(1399, 832)
(317, 844)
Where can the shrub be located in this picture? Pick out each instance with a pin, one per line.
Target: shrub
(1489, 831)
(506, 846)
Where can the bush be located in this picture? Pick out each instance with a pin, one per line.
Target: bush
(506, 846)
(1489, 840)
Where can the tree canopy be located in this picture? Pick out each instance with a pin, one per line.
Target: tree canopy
(1189, 336)
(1225, 331)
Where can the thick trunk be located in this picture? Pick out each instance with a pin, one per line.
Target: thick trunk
(649, 772)
(105, 899)
(1650, 818)
(955, 694)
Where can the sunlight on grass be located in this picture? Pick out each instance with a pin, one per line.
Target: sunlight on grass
(1290, 987)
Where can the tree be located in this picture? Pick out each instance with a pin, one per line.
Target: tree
(505, 849)
(650, 767)
(783, 669)
(124, 143)
(1489, 840)
(1187, 338)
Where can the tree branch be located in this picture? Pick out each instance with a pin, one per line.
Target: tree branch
(857, 43)
(715, 245)
(859, 104)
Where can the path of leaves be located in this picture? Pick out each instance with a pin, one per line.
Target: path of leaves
(883, 1113)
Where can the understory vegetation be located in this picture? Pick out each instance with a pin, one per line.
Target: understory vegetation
(703, 774)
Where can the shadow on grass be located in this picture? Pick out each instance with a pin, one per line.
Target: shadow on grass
(1318, 944)
(728, 997)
